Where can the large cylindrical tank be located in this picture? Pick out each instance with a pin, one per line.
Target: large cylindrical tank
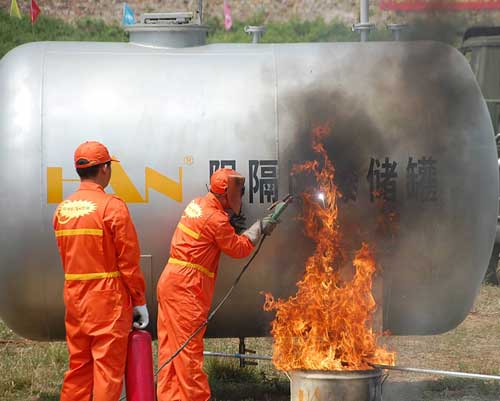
(408, 123)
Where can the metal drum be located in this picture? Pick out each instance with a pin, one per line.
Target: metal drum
(360, 385)
(408, 118)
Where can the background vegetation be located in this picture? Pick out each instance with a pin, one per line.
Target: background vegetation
(14, 32)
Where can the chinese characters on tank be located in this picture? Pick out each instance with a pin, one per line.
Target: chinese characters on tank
(382, 179)
(421, 179)
(263, 178)
(214, 165)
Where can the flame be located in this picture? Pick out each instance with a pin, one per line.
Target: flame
(326, 325)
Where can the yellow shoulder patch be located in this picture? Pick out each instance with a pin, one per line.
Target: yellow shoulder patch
(71, 209)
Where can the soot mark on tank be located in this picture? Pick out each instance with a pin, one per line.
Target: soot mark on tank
(353, 135)
(427, 107)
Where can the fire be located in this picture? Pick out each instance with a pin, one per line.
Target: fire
(326, 325)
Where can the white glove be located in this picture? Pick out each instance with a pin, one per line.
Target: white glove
(141, 316)
(264, 226)
(254, 232)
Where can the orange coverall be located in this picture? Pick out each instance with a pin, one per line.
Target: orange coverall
(100, 256)
(185, 291)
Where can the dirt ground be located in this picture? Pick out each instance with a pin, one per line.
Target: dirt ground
(473, 347)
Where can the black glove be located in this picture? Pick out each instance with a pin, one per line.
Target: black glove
(238, 222)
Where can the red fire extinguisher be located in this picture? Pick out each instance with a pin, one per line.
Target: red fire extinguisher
(139, 379)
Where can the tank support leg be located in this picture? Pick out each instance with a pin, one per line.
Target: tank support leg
(242, 350)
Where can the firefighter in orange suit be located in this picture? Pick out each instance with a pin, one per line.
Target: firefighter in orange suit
(104, 286)
(186, 286)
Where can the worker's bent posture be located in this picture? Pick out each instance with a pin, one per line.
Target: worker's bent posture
(186, 286)
(104, 286)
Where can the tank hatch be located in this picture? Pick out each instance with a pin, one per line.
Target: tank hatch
(168, 30)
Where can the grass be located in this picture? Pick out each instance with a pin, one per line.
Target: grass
(14, 32)
(471, 347)
(453, 387)
(292, 31)
(230, 382)
(32, 371)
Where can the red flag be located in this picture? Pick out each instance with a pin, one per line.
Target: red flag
(228, 20)
(34, 11)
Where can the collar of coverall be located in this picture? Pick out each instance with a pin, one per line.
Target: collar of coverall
(89, 185)
(212, 200)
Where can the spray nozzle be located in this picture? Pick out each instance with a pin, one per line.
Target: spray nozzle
(280, 206)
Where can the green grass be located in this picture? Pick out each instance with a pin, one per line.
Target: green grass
(32, 370)
(230, 382)
(292, 31)
(455, 387)
(14, 32)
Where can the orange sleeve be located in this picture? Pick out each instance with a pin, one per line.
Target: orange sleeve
(57, 239)
(128, 254)
(232, 244)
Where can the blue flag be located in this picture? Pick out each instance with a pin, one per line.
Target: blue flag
(128, 15)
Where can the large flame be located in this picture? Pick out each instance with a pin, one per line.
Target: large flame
(327, 324)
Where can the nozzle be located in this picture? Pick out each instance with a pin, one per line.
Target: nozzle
(280, 206)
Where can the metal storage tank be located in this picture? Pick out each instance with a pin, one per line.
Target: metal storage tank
(406, 118)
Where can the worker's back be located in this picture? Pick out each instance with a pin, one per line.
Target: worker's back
(85, 241)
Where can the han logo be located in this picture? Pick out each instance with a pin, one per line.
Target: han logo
(73, 209)
(122, 185)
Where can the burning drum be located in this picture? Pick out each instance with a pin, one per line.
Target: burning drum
(360, 385)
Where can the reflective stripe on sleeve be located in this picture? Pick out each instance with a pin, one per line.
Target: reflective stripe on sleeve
(188, 231)
(91, 276)
(79, 231)
(201, 268)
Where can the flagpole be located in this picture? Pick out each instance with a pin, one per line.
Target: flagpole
(31, 17)
(200, 10)
(34, 13)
